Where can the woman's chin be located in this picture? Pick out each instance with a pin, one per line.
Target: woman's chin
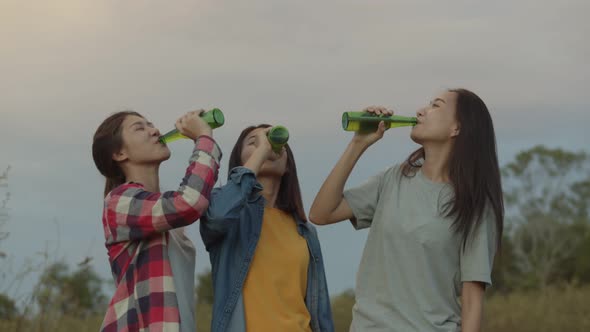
(271, 172)
(163, 156)
(416, 137)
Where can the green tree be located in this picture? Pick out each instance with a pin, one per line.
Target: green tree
(204, 290)
(8, 309)
(546, 194)
(505, 273)
(342, 310)
(62, 292)
(7, 306)
(204, 293)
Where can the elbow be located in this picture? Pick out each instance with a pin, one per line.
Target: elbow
(212, 226)
(215, 217)
(211, 215)
(317, 219)
(218, 214)
(216, 211)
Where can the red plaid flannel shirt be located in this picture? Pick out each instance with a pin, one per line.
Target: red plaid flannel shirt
(135, 224)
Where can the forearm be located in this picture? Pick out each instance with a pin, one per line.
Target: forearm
(471, 307)
(471, 319)
(330, 194)
(254, 163)
(133, 213)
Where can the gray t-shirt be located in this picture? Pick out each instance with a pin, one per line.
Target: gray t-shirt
(410, 275)
(182, 262)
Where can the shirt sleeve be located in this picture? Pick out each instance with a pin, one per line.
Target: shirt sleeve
(478, 257)
(363, 200)
(132, 213)
(226, 204)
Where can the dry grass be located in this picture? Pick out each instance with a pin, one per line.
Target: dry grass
(564, 309)
(554, 310)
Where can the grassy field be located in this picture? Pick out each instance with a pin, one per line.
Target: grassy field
(554, 310)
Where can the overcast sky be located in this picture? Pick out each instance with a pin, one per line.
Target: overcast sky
(65, 65)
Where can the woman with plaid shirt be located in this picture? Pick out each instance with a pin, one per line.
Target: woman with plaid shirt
(151, 259)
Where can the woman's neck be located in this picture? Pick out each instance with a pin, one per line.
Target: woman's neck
(270, 189)
(147, 175)
(436, 162)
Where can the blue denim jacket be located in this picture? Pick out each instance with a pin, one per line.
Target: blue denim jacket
(230, 230)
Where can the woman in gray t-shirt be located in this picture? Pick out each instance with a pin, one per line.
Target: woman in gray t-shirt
(435, 220)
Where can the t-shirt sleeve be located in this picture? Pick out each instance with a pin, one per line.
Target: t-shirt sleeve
(363, 200)
(478, 257)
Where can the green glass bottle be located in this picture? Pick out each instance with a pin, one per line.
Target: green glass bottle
(278, 137)
(214, 118)
(366, 122)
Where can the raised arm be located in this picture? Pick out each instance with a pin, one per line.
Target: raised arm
(329, 205)
(132, 213)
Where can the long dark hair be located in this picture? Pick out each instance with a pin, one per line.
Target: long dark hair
(473, 168)
(108, 140)
(289, 197)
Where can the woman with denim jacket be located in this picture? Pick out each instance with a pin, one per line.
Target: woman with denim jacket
(267, 265)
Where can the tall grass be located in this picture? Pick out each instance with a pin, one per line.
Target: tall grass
(563, 309)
